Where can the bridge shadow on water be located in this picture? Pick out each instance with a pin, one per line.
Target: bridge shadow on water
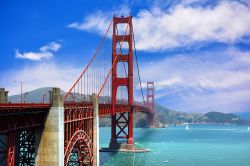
(142, 136)
(122, 159)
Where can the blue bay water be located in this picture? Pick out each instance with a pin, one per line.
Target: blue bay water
(201, 145)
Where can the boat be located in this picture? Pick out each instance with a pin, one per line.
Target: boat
(186, 127)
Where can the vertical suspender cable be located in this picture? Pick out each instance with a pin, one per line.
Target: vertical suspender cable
(81, 91)
(138, 70)
(93, 57)
(113, 64)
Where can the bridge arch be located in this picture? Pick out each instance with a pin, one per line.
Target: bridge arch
(81, 144)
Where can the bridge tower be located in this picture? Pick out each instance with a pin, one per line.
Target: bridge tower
(151, 104)
(122, 123)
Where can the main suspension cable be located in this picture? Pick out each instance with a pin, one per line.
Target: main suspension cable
(97, 50)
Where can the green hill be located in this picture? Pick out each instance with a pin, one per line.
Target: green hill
(34, 96)
(243, 115)
(163, 115)
(218, 117)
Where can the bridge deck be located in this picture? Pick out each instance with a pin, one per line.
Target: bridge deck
(14, 116)
(104, 109)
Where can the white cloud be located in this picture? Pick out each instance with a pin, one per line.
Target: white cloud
(193, 2)
(99, 21)
(241, 57)
(164, 82)
(199, 71)
(194, 83)
(46, 52)
(185, 25)
(224, 79)
(226, 101)
(168, 82)
(36, 56)
(181, 25)
(42, 75)
(53, 46)
(51, 74)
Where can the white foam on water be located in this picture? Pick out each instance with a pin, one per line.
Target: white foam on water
(214, 129)
(165, 161)
(222, 129)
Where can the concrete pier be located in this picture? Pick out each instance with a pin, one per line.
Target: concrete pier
(3, 96)
(95, 131)
(50, 150)
(3, 139)
(124, 147)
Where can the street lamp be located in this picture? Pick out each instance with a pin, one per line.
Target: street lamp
(21, 95)
(45, 94)
(73, 97)
(44, 97)
(25, 96)
(50, 96)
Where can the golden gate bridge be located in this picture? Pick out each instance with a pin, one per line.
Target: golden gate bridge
(63, 131)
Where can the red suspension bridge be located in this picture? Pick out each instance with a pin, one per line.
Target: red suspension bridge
(64, 132)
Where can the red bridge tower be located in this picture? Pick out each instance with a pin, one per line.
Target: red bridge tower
(122, 123)
(151, 104)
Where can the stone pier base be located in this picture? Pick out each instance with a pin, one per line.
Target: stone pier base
(3, 95)
(51, 146)
(123, 147)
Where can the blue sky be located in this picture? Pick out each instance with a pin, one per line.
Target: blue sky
(196, 51)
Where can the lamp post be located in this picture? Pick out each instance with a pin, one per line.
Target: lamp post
(45, 94)
(50, 96)
(44, 97)
(71, 97)
(25, 96)
(21, 95)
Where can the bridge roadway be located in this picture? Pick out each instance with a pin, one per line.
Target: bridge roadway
(14, 116)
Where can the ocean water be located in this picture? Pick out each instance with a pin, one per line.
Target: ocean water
(201, 145)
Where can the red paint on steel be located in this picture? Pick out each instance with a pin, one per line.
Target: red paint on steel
(151, 104)
(22, 116)
(11, 149)
(81, 141)
(24, 105)
(78, 131)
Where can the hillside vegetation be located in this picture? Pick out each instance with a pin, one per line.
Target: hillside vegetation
(163, 115)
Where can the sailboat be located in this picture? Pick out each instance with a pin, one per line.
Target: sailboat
(248, 128)
(186, 127)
